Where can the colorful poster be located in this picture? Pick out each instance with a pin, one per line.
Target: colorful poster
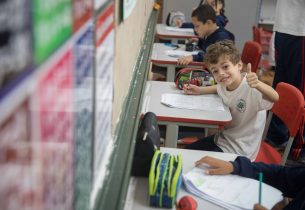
(15, 42)
(55, 125)
(99, 3)
(20, 183)
(104, 88)
(83, 115)
(52, 25)
(82, 12)
(128, 6)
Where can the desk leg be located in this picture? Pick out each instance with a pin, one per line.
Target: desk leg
(170, 73)
(171, 136)
(206, 132)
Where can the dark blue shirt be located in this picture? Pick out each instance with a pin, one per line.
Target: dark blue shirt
(289, 180)
(218, 35)
(221, 20)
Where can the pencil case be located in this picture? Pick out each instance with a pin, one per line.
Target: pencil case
(199, 77)
(165, 177)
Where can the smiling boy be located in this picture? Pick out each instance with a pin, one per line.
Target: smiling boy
(246, 96)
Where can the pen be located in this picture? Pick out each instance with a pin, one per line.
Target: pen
(190, 78)
(260, 188)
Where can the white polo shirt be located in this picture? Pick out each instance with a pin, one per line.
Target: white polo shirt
(243, 135)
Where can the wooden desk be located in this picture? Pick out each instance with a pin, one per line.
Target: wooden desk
(137, 197)
(174, 34)
(174, 117)
(160, 58)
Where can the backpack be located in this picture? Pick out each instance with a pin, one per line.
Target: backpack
(147, 142)
(199, 77)
(173, 16)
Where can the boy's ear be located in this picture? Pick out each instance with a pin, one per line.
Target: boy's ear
(240, 66)
(209, 22)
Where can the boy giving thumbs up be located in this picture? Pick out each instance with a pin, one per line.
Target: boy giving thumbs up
(246, 96)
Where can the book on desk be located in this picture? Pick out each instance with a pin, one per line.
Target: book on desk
(229, 191)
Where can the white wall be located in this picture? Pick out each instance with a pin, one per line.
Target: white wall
(241, 15)
(185, 6)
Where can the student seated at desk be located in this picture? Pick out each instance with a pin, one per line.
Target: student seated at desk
(204, 18)
(218, 6)
(289, 180)
(246, 96)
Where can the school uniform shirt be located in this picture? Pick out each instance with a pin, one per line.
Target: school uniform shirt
(289, 180)
(248, 109)
(218, 35)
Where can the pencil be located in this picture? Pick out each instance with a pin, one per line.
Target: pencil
(260, 188)
(190, 78)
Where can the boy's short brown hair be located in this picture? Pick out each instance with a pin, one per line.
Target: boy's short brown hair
(221, 48)
(204, 12)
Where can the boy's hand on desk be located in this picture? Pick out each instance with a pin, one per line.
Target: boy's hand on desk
(185, 60)
(259, 207)
(218, 166)
(251, 77)
(191, 89)
(194, 39)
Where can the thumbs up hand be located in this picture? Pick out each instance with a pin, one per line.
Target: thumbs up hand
(251, 77)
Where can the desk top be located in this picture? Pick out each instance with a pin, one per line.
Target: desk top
(137, 198)
(159, 55)
(166, 32)
(152, 102)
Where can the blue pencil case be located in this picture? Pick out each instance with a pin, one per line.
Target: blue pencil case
(165, 177)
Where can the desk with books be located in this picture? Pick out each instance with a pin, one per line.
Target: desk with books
(166, 55)
(173, 33)
(212, 192)
(175, 117)
(137, 197)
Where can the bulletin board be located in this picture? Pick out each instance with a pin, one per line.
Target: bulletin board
(51, 100)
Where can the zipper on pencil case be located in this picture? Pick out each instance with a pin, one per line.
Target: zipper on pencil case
(176, 179)
(152, 172)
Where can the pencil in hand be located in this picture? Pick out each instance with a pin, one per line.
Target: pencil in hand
(190, 78)
(260, 188)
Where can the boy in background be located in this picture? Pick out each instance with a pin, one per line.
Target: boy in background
(219, 7)
(246, 96)
(204, 20)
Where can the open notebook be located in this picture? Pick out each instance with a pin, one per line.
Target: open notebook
(229, 191)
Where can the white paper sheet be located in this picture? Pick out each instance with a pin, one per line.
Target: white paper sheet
(179, 53)
(198, 102)
(187, 30)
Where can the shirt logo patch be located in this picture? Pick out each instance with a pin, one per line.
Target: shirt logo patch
(241, 105)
